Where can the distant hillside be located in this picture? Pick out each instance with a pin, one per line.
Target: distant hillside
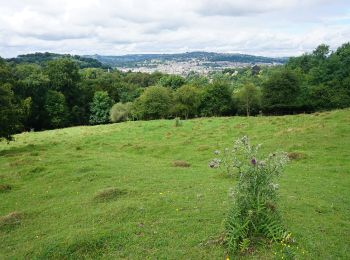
(42, 58)
(130, 60)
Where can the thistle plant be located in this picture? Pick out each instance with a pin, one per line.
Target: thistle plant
(254, 215)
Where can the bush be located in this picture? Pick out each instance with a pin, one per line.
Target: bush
(254, 213)
(120, 112)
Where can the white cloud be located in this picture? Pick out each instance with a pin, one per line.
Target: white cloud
(270, 27)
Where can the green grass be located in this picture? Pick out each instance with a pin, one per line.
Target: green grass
(114, 191)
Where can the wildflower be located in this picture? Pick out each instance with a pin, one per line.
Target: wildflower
(216, 152)
(253, 161)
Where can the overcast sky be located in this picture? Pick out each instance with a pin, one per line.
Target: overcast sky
(269, 27)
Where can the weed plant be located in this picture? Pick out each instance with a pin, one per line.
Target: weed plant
(254, 214)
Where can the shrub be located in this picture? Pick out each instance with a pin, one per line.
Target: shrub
(120, 112)
(254, 213)
(178, 122)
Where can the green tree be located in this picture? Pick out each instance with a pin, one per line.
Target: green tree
(171, 81)
(33, 83)
(154, 103)
(281, 92)
(56, 109)
(216, 99)
(10, 113)
(248, 99)
(100, 107)
(187, 100)
(64, 77)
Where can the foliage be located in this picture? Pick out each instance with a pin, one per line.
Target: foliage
(248, 99)
(56, 109)
(120, 112)
(187, 101)
(64, 77)
(155, 102)
(254, 211)
(100, 107)
(10, 113)
(281, 92)
(216, 100)
(312, 82)
(43, 58)
(171, 81)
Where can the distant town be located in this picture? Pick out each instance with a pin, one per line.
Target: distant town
(185, 63)
(186, 67)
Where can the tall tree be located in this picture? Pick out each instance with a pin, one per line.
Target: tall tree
(10, 113)
(281, 92)
(216, 99)
(56, 109)
(154, 103)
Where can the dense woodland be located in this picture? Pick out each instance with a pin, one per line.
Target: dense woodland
(70, 90)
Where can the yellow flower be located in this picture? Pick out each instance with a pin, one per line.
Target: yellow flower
(227, 258)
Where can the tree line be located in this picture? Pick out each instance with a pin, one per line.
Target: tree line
(59, 93)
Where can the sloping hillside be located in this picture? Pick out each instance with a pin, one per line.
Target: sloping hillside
(115, 191)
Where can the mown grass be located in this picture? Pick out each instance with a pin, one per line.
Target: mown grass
(112, 191)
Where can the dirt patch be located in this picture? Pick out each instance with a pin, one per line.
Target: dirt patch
(183, 164)
(296, 156)
(109, 194)
(10, 220)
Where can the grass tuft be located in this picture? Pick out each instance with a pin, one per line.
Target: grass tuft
(10, 220)
(183, 164)
(296, 156)
(109, 194)
(5, 187)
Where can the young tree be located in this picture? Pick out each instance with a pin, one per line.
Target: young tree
(248, 98)
(120, 112)
(100, 107)
(187, 101)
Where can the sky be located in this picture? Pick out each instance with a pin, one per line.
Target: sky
(117, 27)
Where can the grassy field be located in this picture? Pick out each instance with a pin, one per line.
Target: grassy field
(113, 191)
